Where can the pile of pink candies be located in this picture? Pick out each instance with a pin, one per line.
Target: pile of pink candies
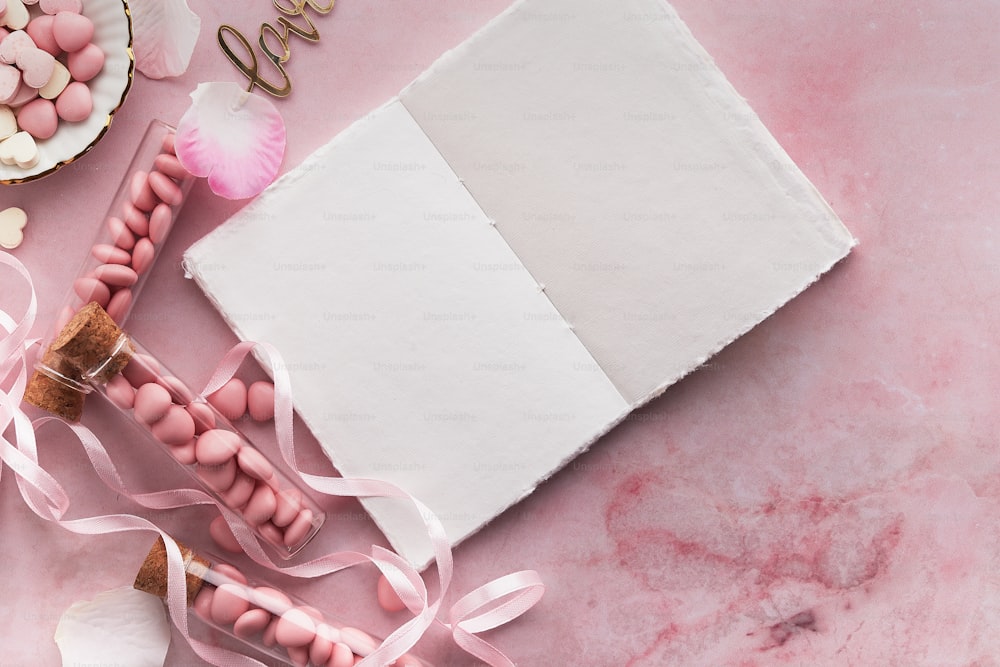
(223, 459)
(46, 58)
(146, 218)
(269, 618)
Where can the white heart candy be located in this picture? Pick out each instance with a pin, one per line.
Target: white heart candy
(57, 82)
(19, 149)
(8, 122)
(12, 222)
(16, 17)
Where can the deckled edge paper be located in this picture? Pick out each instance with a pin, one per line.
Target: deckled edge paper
(661, 216)
(470, 449)
(420, 350)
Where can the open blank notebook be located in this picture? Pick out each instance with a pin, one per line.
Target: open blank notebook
(559, 219)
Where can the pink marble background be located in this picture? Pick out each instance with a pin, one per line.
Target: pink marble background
(825, 492)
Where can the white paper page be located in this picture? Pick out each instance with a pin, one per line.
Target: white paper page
(630, 178)
(420, 349)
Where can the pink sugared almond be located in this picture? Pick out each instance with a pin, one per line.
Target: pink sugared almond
(40, 31)
(86, 63)
(72, 31)
(38, 118)
(75, 103)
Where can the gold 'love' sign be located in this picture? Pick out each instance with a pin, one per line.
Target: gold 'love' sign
(273, 42)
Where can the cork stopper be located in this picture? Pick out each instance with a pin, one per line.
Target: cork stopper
(54, 395)
(152, 575)
(94, 344)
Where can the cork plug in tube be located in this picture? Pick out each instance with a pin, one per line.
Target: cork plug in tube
(90, 347)
(152, 575)
(261, 616)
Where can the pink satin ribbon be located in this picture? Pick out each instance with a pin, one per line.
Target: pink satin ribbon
(489, 606)
(44, 495)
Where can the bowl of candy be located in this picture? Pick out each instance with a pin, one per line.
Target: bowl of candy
(66, 67)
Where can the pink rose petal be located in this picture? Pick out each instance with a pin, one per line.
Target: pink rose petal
(166, 32)
(233, 138)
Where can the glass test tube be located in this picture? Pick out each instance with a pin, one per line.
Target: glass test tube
(123, 252)
(259, 615)
(198, 437)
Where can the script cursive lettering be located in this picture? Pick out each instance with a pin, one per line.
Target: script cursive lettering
(280, 31)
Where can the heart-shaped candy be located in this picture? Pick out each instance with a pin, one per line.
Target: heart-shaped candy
(12, 223)
(8, 122)
(57, 82)
(13, 44)
(40, 31)
(75, 103)
(72, 31)
(53, 7)
(16, 17)
(10, 82)
(38, 118)
(19, 149)
(36, 66)
(86, 63)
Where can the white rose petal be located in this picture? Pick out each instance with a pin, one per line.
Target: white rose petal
(118, 627)
(165, 32)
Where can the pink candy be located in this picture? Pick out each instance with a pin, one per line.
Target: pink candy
(254, 464)
(139, 223)
(220, 532)
(218, 476)
(49, 54)
(260, 508)
(36, 67)
(229, 603)
(86, 63)
(217, 446)
(295, 628)
(56, 6)
(116, 275)
(176, 427)
(91, 289)
(38, 118)
(109, 254)
(260, 401)
(72, 31)
(142, 255)
(251, 623)
(234, 400)
(387, 597)
(151, 403)
(230, 399)
(119, 304)
(269, 619)
(238, 495)
(40, 31)
(75, 103)
(222, 459)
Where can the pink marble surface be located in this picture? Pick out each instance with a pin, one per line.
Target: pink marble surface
(824, 492)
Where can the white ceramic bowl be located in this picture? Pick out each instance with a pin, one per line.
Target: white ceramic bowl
(113, 33)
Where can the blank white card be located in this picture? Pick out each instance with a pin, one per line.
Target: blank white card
(558, 220)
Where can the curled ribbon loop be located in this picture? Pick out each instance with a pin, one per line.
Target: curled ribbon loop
(45, 496)
(497, 602)
(526, 587)
(489, 606)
